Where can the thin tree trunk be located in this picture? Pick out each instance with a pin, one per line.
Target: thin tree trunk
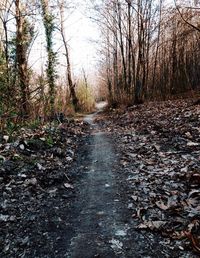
(129, 48)
(122, 46)
(115, 53)
(108, 63)
(138, 84)
(157, 47)
(75, 100)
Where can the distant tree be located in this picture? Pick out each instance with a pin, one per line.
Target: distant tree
(150, 50)
(185, 19)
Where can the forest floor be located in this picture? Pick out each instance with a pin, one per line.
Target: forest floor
(123, 183)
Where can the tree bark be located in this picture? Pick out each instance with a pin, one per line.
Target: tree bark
(49, 28)
(75, 100)
(21, 62)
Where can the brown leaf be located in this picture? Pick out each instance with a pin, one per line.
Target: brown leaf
(162, 206)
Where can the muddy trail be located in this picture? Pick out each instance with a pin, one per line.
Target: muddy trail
(100, 221)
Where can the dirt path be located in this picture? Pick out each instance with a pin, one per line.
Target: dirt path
(95, 205)
(101, 220)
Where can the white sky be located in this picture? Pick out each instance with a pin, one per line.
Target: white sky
(81, 33)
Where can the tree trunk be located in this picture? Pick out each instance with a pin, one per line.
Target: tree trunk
(75, 100)
(49, 28)
(139, 80)
(129, 48)
(122, 47)
(115, 54)
(21, 62)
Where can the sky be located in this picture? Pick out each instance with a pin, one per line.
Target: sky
(81, 33)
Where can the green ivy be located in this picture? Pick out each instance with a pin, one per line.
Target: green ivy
(48, 20)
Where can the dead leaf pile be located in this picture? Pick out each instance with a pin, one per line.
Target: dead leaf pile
(160, 146)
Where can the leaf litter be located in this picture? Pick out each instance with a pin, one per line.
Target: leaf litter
(159, 148)
(160, 154)
(35, 185)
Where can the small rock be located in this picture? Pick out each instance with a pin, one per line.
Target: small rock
(100, 213)
(12, 218)
(130, 206)
(22, 147)
(32, 181)
(40, 167)
(6, 138)
(68, 186)
(134, 197)
(4, 218)
(69, 159)
(191, 144)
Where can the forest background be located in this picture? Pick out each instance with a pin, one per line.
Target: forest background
(138, 51)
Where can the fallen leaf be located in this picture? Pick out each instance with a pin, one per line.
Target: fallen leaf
(68, 186)
(151, 224)
(116, 244)
(162, 206)
(191, 144)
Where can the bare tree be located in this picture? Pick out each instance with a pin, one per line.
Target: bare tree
(152, 52)
(69, 73)
(185, 19)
